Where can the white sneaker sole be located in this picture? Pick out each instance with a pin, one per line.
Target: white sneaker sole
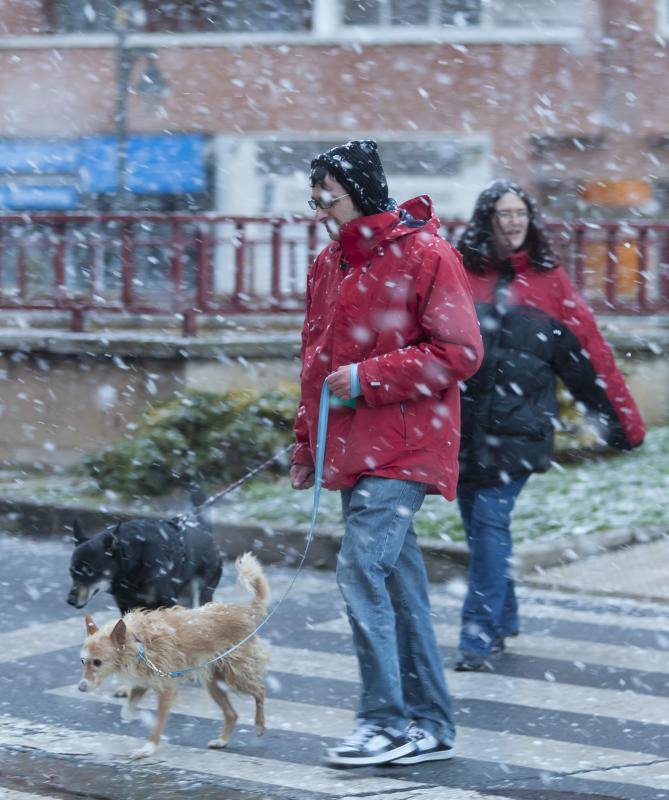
(367, 761)
(419, 758)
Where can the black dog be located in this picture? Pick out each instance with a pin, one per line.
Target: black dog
(147, 563)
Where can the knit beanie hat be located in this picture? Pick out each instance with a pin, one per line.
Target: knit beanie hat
(357, 166)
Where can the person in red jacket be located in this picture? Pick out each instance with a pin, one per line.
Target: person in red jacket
(391, 326)
(535, 327)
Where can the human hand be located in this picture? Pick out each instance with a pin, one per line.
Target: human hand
(340, 382)
(301, 476)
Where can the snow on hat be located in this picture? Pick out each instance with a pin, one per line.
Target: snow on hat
(357, 166)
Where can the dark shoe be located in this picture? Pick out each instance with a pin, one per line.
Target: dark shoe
(497, 647)
(469, 662)
(428, 748)
(369, 745)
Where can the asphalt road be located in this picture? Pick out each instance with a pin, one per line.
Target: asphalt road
(577, 708)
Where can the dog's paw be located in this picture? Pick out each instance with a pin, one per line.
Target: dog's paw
(217, 744)
(144, 752)
(260, 729)
(129, 713)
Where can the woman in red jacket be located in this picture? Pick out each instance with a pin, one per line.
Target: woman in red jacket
(535, 327)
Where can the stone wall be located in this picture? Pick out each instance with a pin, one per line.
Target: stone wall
(62, 394)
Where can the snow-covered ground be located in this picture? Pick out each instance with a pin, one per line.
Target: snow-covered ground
(621, 492)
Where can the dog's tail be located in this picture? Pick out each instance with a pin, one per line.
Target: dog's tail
(252, 579)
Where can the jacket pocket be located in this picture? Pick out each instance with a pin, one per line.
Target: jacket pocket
(420, 420)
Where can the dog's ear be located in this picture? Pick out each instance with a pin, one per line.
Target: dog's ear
(118, 634)
(110, 539)
(91, 627)
(77, 533)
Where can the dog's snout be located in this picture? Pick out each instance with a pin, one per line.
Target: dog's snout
(78, 596)
(83, 685)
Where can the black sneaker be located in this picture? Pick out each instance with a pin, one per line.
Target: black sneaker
(469, 662)
(371, 744)
(497, 647)
(428, 748)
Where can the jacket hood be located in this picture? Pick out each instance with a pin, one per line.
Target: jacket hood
(363, 235)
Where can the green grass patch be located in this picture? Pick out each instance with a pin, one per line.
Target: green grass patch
(622, 491)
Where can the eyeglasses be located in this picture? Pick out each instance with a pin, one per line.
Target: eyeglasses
(323, 204)
(508, 215)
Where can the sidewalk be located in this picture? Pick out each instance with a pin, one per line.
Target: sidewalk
(637, 571)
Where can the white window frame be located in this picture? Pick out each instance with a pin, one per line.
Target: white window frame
(327, 28)
(487, 31)
(663, 17)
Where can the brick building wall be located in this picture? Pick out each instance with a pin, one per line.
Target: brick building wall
(580, 115)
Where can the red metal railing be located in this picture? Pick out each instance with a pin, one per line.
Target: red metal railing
(215, 265)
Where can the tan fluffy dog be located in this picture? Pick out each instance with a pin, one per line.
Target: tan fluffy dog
(179, 638)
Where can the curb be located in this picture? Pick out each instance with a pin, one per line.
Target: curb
(272, 544)
(284, 545)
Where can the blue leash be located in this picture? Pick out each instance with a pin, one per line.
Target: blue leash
(321, 438)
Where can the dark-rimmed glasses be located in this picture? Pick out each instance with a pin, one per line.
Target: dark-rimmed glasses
(323, 204)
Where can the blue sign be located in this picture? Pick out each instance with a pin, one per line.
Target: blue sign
(155, 164)
(38, 157)
(30, 197)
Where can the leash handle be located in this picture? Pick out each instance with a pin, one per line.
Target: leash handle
(321, 439)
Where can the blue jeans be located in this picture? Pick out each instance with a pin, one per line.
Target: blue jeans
(490, 610)
(382, 578)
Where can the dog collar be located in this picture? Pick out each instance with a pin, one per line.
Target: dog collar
(139, 651)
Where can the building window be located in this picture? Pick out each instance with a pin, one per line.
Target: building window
(272, 176)
(462, 13)
(187, 16)
(443, 157)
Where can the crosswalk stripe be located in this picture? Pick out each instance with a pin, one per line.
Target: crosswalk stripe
(433, 793)
(46, 637)
(541, 695)
(551, 647)
(529, 592)
(109, 747)
(554, 612)
(498, 747)
(547, 695)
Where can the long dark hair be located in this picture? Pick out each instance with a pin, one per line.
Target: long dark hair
(477, 243)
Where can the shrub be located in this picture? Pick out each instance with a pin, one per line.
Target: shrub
(197, 435)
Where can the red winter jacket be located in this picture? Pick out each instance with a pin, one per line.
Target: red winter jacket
(535, 326)
(393, 297)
